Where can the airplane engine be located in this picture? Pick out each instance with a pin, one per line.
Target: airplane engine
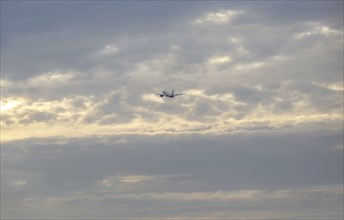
(161, 95)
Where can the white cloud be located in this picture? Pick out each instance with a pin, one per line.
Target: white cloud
(219, 17)
(234, 40)
(107, 182)
(243, 195)
(111, 48)
(20, 111)
(219, 60)
(318, 29)
(134, 179)
(107, 50)
(228, 97)
(338, 87)
(152, 98)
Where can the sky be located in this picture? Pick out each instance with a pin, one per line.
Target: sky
(257, 133)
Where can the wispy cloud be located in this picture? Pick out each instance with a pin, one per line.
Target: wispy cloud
(257, 199)
(318, 29)
(218, 17)
(219, 59)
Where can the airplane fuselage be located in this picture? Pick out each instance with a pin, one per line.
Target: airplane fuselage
(167, 94)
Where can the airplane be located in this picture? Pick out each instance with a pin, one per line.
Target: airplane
(168, 94)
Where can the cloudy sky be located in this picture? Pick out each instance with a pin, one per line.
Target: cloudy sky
(258, 132)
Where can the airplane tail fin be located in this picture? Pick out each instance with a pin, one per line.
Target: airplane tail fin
(172, 92)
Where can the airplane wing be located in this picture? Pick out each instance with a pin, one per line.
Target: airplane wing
(178, 94)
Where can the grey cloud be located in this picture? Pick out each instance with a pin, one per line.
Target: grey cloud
(270, 71)
(41, 117)
(199, 157)
(206, 199)
(198, 163)
(65, 42)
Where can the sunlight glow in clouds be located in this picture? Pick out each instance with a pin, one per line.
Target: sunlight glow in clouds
(71, 124)
(8, 104)
(24, 118)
